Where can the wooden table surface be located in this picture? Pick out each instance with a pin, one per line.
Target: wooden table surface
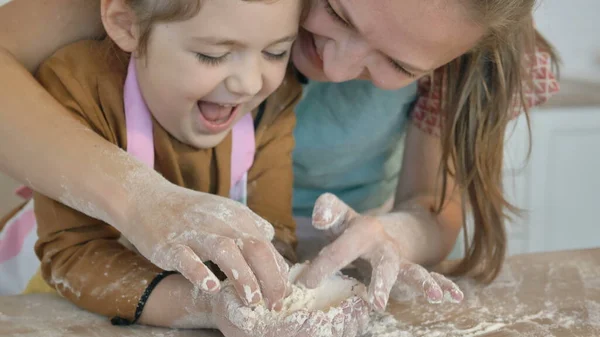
(549, 294)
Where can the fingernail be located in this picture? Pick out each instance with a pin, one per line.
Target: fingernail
(380, 302)
(457, 295)
(277, 306)
(256, 298)
(435, 295)
(211, 285)
(251, 297)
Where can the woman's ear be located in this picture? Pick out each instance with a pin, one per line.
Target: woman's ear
(120, 24)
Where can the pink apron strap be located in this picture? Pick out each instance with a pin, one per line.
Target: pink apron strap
(243, 149)
(138, 121)
(140, 140)
(15, 232)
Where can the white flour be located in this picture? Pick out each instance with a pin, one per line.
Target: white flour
(482, 323)
(500, 307)
(325, 300)
(550, 299)
(384, 325)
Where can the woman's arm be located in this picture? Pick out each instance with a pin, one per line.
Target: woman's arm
(36, 146)
(42, 144)
(32, 30)
(426, 238)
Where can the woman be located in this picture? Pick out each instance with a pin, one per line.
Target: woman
(377, 41)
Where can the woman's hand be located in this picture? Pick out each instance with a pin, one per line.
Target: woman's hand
(375, 239)
(175, 303)
(179, 229)
(234, 319)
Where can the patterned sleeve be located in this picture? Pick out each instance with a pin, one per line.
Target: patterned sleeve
(427, 114)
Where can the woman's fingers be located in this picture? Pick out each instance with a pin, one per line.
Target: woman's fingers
(420, 279)
(337, 325)
(184, 260)
(386, 266)
(356, 316)
(318, 324)
(225, 253)
(290, 325)
(341, 252)
(361, 315)
(270, 270)
(332, 215)
(192, 268)
(451, 291)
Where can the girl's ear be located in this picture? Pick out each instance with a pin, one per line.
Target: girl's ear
(120, 24)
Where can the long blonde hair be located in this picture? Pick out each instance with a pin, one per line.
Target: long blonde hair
(482, 86)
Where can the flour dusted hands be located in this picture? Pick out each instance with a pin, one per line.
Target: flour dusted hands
(234, 319)
(177, 229)
(375, 239)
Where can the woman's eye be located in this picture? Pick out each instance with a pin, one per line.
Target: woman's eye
(334, 14)
(401, 69)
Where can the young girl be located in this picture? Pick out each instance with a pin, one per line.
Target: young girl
(185, 94)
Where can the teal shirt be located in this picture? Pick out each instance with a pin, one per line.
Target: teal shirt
(349, 142)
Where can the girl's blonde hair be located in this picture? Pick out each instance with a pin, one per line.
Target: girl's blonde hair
(482, 87)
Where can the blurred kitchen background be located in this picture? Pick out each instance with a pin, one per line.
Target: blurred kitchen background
(559, 185)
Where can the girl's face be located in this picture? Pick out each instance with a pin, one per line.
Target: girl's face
(201, 75)
(390, 42)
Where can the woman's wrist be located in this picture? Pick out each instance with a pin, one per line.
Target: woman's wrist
(122, 194)
(424, 236)
(415, 231)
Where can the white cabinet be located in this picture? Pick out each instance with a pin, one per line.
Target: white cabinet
(559, 186)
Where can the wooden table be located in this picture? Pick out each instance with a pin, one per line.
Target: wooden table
(550, 294)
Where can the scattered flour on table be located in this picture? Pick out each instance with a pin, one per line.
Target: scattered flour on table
(28, 316)
(386, 325)
(436, 321)
(487, 310)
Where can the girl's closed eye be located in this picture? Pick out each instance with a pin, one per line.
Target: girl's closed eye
(211, 60)
(275, 56)
(217, 60)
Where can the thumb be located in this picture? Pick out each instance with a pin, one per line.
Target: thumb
(332, 214)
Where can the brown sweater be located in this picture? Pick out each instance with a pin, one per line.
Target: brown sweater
(81, 256)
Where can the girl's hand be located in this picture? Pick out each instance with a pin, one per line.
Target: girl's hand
(234, 319)
(369, 237)
(179, 229)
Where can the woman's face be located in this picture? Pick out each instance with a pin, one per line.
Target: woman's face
(389, 42)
